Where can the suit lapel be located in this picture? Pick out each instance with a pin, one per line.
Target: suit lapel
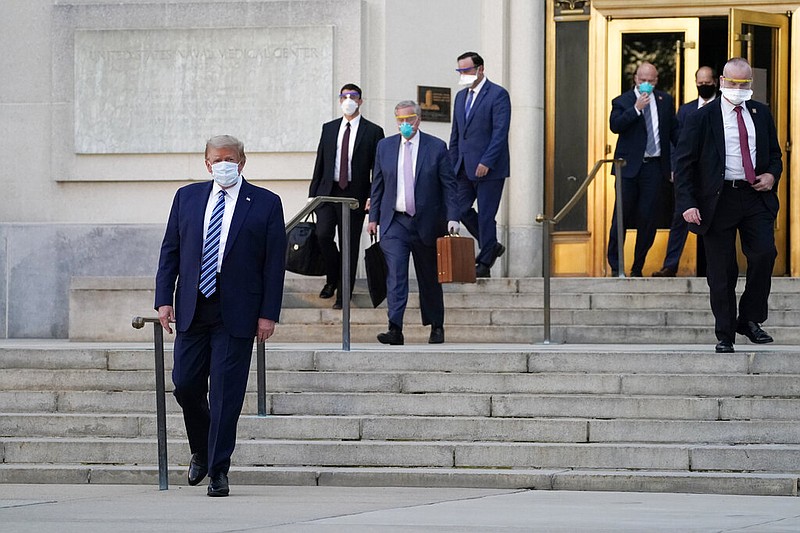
(197, 214)
(391, 169)
(482, 95)
(717, 128)
(422, 153)
(243, 204)
(359, 135)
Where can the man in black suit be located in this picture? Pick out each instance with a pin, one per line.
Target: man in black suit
(727, 170)
(222, 267)
(346, 173)
(644, 119)
(706, 80)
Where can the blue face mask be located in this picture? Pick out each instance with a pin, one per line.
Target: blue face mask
(406, 130)
(646, 87)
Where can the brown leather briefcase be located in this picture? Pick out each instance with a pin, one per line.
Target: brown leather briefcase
(455, 257)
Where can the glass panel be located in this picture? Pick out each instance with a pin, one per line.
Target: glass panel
(656, 48)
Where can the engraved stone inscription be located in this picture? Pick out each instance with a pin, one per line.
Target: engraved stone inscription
(167, 91)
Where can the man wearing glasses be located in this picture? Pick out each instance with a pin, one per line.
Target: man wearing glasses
(479, 153)
(345, 157)
(728, 162)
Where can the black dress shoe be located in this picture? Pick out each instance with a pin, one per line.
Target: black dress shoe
(393, 336)
(636, 273)
(664, 273)
(614, 273)
(218, 486)
(498, 251)
(482, 271)
(198, 468)
(437, 335)
(753, 331)
(336, 305)
(328, 290)
(724, 347)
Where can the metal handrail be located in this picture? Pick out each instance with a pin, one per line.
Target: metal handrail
(344, 244)
(549, 222)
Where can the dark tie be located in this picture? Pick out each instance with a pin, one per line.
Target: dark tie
(744, 146)
(468, 107)
(208, 268)
(651, 136)
(345, 159)
(408, 179)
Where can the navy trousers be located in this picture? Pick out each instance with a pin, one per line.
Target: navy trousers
(400, 240)
(481, 224)
(210, 376)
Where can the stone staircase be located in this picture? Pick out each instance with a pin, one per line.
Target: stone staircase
(571, 417)
(494, 310)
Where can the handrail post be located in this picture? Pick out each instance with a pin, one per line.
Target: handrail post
(620, 221)
(161, 407)
(261, 377)
(344, 239)
(546, 234)
(161, 403)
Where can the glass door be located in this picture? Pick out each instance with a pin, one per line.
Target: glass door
(671, 44)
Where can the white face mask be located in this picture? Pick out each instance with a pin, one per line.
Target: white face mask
(736, 96)
(225, 173)
(467, 79)
(349, 107)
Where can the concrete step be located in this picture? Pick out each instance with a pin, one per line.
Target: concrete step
(773, 458)
(756, 484)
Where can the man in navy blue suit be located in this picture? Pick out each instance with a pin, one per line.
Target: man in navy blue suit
(706, 81)
(644, 119)
(224, 245)
(414, 200)
(728, 162)
(479, 154)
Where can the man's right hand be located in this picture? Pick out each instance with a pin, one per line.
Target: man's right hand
(166, 314)
(642, 102)
(372, 228)
(692, 216)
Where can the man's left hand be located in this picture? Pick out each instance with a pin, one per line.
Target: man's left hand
(266, 328)
(481, 171)
(764, 182)
(453, 227)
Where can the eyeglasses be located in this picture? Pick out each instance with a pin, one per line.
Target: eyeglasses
(405, 118)
(352, 95)
(745, 81)
(466, 69)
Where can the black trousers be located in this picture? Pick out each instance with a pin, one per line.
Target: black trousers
(742, 210)
(329, 224)
(210, 376)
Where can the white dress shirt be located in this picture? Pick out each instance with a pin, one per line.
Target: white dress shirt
(353, 130)
(400, 204)
(231, 195)
(734, 169)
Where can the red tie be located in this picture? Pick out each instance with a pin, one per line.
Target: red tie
(344, 162)
(747, 163)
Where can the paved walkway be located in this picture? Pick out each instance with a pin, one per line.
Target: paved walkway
(125, 508)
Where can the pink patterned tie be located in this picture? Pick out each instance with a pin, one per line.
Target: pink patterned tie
(408, 179)
(747, 162)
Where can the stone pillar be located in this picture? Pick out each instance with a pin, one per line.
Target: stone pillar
(513, 35)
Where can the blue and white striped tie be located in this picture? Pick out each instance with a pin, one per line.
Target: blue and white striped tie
(208, 268)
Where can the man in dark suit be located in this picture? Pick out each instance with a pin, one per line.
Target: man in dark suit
(706, 80)
(225, 245)
(644, 119)
(414, 200)
(346, 173)
(727, 170)
(479, 154)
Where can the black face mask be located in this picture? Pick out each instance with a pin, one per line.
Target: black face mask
(706, 91)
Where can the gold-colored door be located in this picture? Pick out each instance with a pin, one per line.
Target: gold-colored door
(671, 44)
(763, 39)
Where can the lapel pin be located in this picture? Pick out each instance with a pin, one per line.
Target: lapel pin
(247, 198)
(753, 111)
